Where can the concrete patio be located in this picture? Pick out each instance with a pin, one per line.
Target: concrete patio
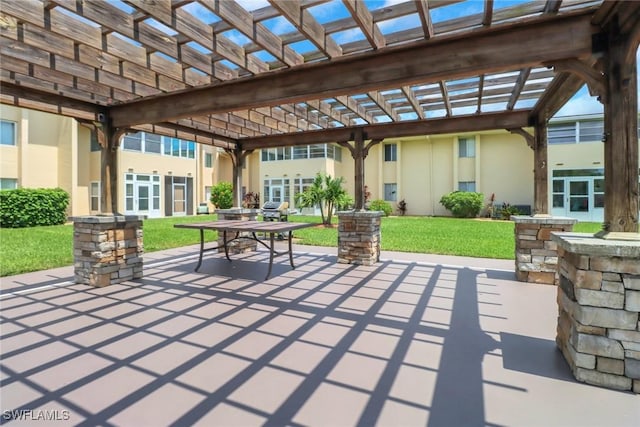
(414, 340)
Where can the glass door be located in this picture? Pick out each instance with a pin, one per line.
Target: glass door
(579, 205)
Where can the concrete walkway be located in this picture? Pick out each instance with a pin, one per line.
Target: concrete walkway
(415, 340)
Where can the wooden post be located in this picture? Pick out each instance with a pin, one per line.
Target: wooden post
(621, 134)
(109, 140)
(358, 157)
(540, 171)
(359, 152)
(238, 157)
(538, 143)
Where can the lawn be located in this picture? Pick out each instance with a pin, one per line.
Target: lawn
(39, 248)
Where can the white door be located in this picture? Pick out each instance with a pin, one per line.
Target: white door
(579, 197)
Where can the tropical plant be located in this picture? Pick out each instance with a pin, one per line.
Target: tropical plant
(507, 210)
(381, 205)
(251, 200)
(326, 193)
(463, 204)
(222, 195)
(402, 207)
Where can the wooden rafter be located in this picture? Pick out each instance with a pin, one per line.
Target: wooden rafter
(487, 16)
(480, 94)
(522, 46)
(413, 101)
(422, 6)
(517, 88)
(308, 26)
(445, 97)
(362, 16)
(384, 105)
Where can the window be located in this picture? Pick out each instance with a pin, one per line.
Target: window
(558, 193)
(94, 201)
(208, 160)
(7, 133)
(132, 141)
(390, 192)
(8, 183)
(561, 133)
(179, 148)
(466, 147)
(390, 153)
(467, 186)
(598, 193)
(324, 151)
(152, 143)
(591, 131)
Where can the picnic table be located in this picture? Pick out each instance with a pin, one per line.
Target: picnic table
(248, 230)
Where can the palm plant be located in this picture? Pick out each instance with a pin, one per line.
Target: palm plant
(326, 193)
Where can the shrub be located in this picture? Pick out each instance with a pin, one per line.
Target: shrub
(381, 205)
(222, 195)
(507, 210)
(30, 207)
(463, 204)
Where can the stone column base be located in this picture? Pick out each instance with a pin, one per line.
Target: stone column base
(241, 245)
(107, 249)
(359, 237)
(536, 253)
(599, 309)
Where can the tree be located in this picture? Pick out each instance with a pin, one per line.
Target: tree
(326, 193)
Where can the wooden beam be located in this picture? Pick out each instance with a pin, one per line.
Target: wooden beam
(480, 93)
(560, 90)
(491, 50)
(517, 88)
(20, 96)
(594, 79)
(476, 122)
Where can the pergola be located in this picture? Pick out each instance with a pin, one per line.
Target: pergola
(221, 73)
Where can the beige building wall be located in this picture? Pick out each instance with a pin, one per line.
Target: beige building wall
(506, 168)
(576, 156)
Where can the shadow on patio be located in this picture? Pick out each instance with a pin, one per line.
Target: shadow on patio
(404, 342)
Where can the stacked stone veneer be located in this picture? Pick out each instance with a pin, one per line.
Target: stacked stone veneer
(598, 309)
(107, 249)
(359, 237)
(241, 245)
(536, 253)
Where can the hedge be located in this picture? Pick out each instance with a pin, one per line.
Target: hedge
(463, 204)
(30, 207)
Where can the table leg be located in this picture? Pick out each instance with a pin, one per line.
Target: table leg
(270, 255)
(201, 248)
(226, 247)
(291, 250)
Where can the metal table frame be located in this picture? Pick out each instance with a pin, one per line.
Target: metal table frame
(232, 226)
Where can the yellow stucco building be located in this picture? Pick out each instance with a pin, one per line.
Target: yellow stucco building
(161, 176)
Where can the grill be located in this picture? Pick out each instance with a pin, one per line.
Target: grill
(275, 211)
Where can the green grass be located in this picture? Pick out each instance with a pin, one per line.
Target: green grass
(32, 249)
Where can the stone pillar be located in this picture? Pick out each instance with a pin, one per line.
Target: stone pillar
(599, 308)
(536, 253)
(107, 249)
(240, 245)
(359, 237)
